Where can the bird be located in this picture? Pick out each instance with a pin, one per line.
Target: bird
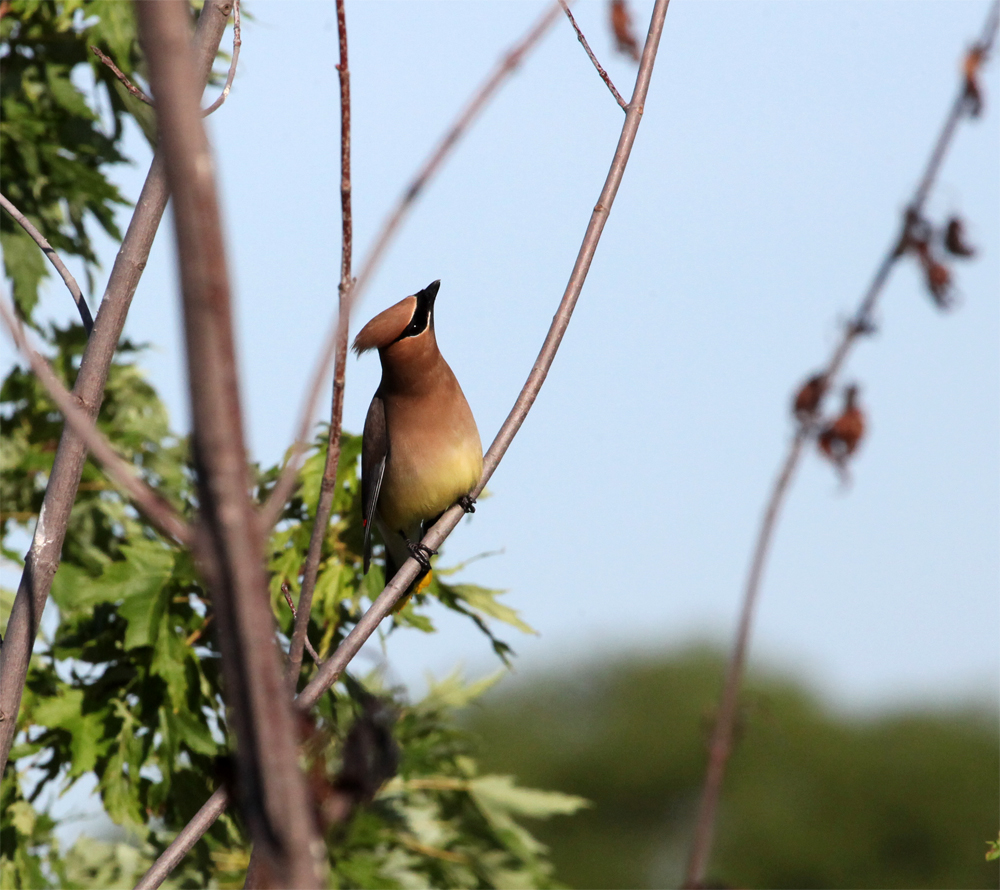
(420, 450)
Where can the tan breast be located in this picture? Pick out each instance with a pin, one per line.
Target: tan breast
(435, 455)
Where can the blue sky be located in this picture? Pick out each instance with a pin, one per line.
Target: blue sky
(779, 144)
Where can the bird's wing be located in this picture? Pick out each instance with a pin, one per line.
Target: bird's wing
(374, 449)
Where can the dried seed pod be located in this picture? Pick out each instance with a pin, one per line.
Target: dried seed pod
(808, 397)
(973, 94)
(840, 439)
(954, 239)
(939, 283)
(621, 27)
(936, 273)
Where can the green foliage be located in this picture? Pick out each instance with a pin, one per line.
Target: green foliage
(127, 686)
(54, 147)
(993, 853)
(812, 799)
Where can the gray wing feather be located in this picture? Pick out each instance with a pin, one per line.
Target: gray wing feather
(374, 450)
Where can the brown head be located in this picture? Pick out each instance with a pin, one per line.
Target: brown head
(403, 334)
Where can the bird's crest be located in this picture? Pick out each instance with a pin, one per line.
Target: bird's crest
(409, 317)
(385, 327)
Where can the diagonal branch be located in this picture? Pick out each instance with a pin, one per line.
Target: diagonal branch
(507, 64)
(42, 558)
(229, 549)
(590, 53)
(721, 744)
(333, 666)
(54, 258)
(328, 483)
(155, 508)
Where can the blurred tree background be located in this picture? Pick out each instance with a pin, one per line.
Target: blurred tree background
(813, 798)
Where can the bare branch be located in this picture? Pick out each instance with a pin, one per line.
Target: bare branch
(142, 97)
(230, 552)
(155, 508)
(593, 58)
(328, 483)
(42, 558)
(291, 605)
(186, 838)
(721, 744)
(286, 481)
(333, 666)
(65, 274)
(237, 43)
(125, 82)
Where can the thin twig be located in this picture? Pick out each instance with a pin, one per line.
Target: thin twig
(43, 556)
(291, 605)
(333, 666)
(590, 53)
(122, 77)
(328, 483)
(721, 744)
(229, 548)
(510, 60)
(142, 97)
(65, 274)
(155, 508)
(237, 43)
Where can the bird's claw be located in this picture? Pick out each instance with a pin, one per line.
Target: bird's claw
(467, 503)
(421, 553)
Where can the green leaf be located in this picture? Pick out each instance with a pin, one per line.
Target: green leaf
(484, 601)
(24, 265)
(141, 580)
(61, 710)
(170, 654)
(23, 817)
(453, 692)
(502, 792)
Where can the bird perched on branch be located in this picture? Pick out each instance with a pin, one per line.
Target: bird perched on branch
(420, 449)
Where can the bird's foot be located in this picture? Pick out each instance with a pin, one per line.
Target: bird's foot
(467, 503)
(421, 553)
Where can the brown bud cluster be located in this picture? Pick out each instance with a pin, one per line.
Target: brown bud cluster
(807, 399)
(621, 28)
(954, 239)
(839, 439)
(973, 94)
(920, 238)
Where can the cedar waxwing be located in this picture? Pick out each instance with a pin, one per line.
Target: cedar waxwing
(420, 449)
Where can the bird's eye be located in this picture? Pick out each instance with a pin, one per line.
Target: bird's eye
(418, 324)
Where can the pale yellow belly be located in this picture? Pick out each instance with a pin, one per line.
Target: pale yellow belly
(421, 483)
